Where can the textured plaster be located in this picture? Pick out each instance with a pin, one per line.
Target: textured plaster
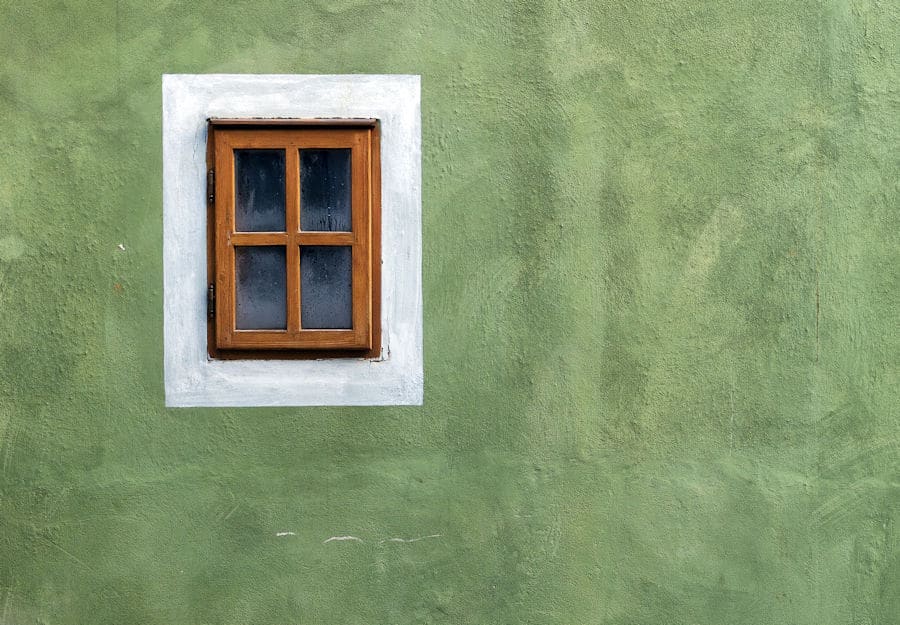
(660, 281)
(192, 379)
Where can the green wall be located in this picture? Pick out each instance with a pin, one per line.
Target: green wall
(661, 282)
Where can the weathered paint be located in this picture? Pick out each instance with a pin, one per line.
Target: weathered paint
(661, 349)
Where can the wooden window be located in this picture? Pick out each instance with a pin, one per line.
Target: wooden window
(294, 238)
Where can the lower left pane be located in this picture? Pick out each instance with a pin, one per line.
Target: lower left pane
(260, 293)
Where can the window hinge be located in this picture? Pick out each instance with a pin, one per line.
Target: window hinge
(211, 186)
(211, 301)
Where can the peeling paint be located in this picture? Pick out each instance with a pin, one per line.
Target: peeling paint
(342, 539)
(410, 540)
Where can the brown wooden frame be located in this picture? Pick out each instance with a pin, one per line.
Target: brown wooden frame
(362, 137)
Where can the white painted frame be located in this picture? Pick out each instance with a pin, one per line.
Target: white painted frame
(191, 377)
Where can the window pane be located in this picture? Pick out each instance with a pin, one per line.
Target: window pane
(260, 288)
(325, 189)
(325, 295)
(259, 190)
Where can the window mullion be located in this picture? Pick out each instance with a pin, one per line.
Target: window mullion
(292, 222)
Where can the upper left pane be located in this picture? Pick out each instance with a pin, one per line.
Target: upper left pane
(259, 191)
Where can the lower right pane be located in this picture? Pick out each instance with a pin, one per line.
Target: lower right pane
(326, 275)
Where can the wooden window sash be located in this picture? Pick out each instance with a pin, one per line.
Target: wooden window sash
(361, 136)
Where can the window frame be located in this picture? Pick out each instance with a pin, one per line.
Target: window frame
(362, 136)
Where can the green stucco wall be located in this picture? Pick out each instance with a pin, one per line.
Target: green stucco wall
(661, 279)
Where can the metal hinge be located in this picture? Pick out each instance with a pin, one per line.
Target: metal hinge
(211, 301)
(211, 186)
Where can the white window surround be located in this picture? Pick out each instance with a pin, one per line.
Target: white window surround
(191, 377)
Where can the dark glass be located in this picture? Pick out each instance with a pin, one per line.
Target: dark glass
(325, 190)
(325, 287)
(260, 288)
(259, 190)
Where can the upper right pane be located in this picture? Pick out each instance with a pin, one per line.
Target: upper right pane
(325, 190)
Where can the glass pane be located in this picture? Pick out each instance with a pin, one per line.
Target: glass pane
(325, 189)
(325, 295)
(259, 190)
(260, 288)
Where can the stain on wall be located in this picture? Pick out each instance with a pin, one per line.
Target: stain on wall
(661, 280)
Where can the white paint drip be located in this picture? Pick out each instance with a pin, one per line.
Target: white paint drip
(342, 538)
(279, 534)
(409, 540)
